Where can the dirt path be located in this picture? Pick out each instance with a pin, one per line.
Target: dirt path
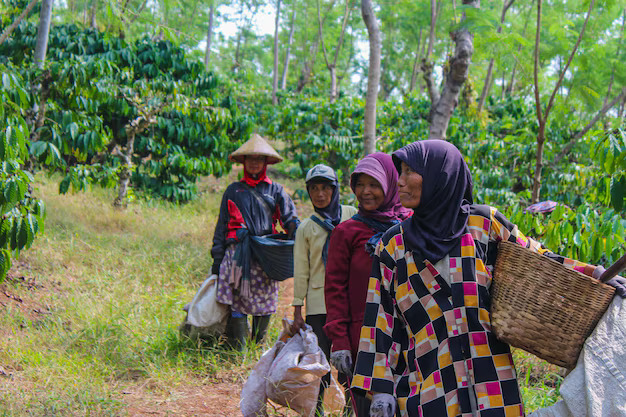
(218, 396)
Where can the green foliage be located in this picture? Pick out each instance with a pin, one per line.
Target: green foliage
(611, 155)
(99, 84)
(22, 213)
(589, 221)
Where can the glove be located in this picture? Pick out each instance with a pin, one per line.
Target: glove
(383, 405)
(619, 283)
(342, 360)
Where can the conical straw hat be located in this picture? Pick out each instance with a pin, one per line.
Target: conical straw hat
(256, 145)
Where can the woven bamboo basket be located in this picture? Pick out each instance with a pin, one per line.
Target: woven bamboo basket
(543, 307)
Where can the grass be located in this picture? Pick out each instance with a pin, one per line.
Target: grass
(114, 284)
(102, 313)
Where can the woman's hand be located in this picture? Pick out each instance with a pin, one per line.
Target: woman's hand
(342, 361)
(619, 283)
(383, 405)
(298, 321)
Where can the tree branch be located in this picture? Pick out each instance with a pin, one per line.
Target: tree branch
(536, 63)
(21, 17)
(586, 129)
(569, 61)
(321, 33)
(346, 16)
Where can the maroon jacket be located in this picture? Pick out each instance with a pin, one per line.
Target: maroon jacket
(345, 290)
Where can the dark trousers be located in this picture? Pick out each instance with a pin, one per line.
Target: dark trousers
(359, 404)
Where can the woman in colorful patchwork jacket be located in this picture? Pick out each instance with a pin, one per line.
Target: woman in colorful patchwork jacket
(310, 256)
(350, 254)
(252, 206)
(426, 340)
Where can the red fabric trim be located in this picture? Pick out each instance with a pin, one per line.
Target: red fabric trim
(247, 178)
(235, 220)
(276, 218)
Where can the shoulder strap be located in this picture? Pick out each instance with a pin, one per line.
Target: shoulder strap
(328, 226)
(260, 198)
(379, 226)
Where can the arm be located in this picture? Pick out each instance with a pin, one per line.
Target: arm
(301, 276)
(502, 229)
(219, 235)
(336, 290)
(383, 335)
(286, 212)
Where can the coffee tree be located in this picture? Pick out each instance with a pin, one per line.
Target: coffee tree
(99, 85)
(22, 213)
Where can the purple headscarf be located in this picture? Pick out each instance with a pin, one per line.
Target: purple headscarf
(380, 166)
(440, 219)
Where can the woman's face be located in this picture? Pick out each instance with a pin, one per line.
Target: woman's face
(369, 192)
(321, 194)
(409, 187)
(254, 164)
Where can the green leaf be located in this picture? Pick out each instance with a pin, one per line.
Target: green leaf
(5, 263)
(618, 193)
(64, 185)
(73, 129)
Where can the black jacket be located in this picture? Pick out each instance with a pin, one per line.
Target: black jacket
(258, 212)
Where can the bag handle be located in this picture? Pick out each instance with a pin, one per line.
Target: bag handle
(614, 269)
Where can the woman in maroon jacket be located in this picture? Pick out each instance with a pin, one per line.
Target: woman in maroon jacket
(352, 244)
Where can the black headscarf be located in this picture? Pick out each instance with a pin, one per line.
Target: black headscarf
(332, 211)
(440, 219)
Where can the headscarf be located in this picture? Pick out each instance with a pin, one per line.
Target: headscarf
(380, 166)
(440, 219)
(332, 211)
(252, 182)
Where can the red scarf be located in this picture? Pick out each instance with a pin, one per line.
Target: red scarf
(247, 178)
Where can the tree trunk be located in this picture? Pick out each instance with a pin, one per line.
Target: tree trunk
(422, 54)
(486, 86)
(454, 79)
(237, 62)
(209, 35)
(416, 63)
(17, 21)
(292, 26)
(275, 80)
(133, 128)
(373, 77)
(542, 117)
(488, 78)
(427, 65)
(125, 171)
(307, 68)
(42, 33)
(92, 15)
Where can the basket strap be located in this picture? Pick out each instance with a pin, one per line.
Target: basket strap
(614, 269)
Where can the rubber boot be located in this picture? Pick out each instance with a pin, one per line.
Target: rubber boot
(239, 328)
(259, 327)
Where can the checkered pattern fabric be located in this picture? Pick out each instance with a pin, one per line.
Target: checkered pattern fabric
(430, 342)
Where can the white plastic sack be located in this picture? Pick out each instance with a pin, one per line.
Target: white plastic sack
(205, 314)
(253, 396)
(289, 374)
(294, 378)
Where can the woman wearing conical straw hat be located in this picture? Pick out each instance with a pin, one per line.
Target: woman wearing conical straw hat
(250, 207)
